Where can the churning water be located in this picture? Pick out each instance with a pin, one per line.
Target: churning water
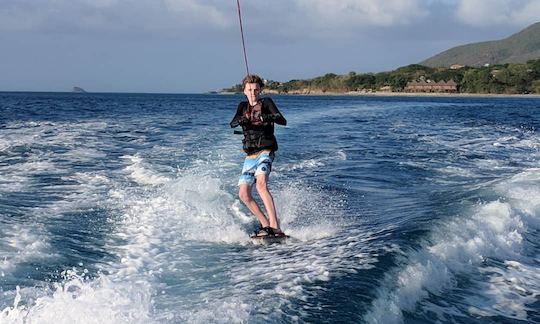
(122, 208)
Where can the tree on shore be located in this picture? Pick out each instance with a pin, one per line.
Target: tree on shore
(502, 78)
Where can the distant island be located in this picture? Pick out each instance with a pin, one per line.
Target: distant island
(78, 89)
(508, 66)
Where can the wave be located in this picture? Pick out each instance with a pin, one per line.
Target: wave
(78, 300)
(142, 174)
(21, 244)
(178, 244)
(492, 233)
(190, 229)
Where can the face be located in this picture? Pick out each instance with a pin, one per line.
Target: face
(252, 91)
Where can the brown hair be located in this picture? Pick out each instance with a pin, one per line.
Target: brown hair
(252, 78)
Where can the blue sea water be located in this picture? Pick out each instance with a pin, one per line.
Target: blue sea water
(122, 208)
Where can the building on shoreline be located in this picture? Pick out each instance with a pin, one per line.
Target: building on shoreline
(431, 86)
(456, 66)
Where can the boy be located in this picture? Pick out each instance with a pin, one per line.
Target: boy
(257, 117)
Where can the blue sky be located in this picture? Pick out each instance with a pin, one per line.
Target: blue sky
(182, 46)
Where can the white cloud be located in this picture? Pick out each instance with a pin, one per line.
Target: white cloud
(362, 12)
(296, 19)
(323, 19)
(495, 12)
(529, 13)
(296, 15)
(110, 15)
(205, 12)
(100, 3)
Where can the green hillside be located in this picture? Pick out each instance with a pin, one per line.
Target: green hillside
(518, 48)
(507, 66)
(508, 78)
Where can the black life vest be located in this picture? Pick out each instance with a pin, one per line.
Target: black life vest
(259, 137)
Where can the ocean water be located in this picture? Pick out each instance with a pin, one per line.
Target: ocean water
(123, 208)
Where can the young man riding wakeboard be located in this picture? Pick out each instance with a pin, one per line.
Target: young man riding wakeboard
(257, 117)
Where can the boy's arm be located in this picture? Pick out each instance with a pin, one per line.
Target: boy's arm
(238, 118)
(274, 115)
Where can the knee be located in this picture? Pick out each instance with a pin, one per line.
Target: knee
(244, 195)
(262, 187)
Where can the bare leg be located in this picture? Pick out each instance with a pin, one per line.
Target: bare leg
(246, 197)
(268, 200)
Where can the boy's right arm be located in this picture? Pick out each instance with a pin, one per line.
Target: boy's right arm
(239, 118)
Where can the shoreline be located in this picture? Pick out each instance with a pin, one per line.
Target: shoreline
(398, 94)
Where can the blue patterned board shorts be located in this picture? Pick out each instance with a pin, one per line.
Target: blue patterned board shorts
(255, 165)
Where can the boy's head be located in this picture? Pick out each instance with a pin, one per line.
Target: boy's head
(252, 87)
(252, 78)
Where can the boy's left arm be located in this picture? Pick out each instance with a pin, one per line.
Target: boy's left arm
(274, 115)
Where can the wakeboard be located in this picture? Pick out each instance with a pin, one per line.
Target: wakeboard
(269, 239)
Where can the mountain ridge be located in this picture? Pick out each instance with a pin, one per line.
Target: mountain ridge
(517, 48)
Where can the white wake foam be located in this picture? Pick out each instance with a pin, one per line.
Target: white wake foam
(76, 300)
(493, 230)
(21, 244)
(162, 218)
(140, 173)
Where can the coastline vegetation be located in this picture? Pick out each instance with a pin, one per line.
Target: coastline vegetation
(511, 78)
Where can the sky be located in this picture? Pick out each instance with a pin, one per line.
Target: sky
(194, 46)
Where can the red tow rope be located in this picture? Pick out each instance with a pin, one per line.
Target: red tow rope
(242, 33)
